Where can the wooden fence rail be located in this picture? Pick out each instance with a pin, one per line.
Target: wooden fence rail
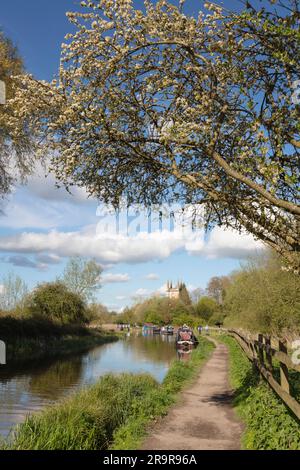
(261, 353)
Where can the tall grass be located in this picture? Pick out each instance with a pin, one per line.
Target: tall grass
(88, 419)
(114, 413)
(269, 424)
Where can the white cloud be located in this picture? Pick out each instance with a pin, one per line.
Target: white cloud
(105, 248)
(161, 291)
(111, 278)
(141, 293)
(41, 205)
(225, 243)
(113, 248)
(152, 277)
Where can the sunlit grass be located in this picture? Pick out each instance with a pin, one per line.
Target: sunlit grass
(269, 424)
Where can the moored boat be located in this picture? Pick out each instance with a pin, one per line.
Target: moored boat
(156, 330)
(167, 330)
(185, 337)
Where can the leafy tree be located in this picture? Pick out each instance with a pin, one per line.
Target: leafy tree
(82, 277)
(206, 307)
(13, 292)
(53, 301)
(15, 143)
(160, 106)
(98, 313)
(127, 316)
(184, 295)
(262, 297)
(216, 288)
(161, 310)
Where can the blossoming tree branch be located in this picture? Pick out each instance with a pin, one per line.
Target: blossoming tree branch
(161, 106)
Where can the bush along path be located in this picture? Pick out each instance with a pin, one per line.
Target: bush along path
(205, 418)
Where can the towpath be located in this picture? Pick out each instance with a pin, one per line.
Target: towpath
(204, 418)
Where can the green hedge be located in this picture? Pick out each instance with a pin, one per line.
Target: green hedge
(269, 424)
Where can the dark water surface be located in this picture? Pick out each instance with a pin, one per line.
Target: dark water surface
(29, 388)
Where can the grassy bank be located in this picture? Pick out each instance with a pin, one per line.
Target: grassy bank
(30, 339)
(28, 349)
(269, 424)
(114, 413)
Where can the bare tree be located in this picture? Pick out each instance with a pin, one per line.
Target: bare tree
(13, 292)
(82, 277)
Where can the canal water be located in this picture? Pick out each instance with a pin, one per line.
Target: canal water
(29, 388)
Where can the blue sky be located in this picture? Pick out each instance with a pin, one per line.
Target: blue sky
(41, 226)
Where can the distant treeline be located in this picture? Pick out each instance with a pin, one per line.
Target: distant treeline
(261, 296)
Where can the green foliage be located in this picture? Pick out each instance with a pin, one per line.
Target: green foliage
(35, 327)
(33, 338)
(88, 419)
(162, 311)
(54, 302)
(98, 313)
(263, 297)
(184, 295)
(269, 424)
(31, 349)
(206, 307)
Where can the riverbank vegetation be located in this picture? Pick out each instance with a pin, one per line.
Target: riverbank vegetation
(53, 318)
(263, 297)
(114, 413)
(269, 424)
(30, 339)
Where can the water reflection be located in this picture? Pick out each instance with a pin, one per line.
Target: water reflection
(27, 389)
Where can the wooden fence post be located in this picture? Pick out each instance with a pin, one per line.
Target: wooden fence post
(268, 353)
(260, 349)
(284, 372)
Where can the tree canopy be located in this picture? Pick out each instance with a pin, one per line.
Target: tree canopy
(54, 302)
(15, 143)
(161, 106)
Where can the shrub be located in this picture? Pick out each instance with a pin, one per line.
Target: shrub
(54, 302)
(206, 307)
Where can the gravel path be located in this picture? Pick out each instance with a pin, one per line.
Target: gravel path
(204, 418)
